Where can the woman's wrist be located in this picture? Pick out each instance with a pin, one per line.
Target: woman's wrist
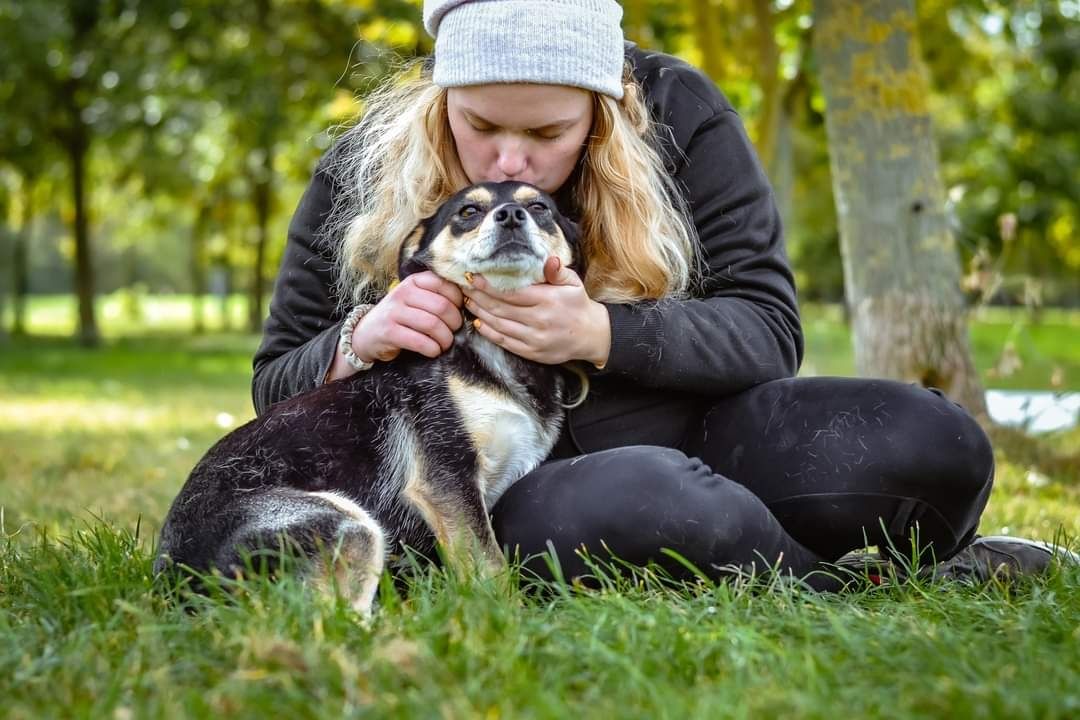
(347, 342)
(600, 333)
(340, 366)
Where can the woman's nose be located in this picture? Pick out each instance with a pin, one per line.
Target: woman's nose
(512, 161)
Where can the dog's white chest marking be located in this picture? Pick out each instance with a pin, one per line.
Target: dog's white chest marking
(510, 440)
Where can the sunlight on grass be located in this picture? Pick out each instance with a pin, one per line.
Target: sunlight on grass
(51, 417)
(95, 444)
(116, 430)
(123, 313)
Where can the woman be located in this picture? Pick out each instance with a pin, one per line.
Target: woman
(695, 437)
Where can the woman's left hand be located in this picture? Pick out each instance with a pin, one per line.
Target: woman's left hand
(549, 323)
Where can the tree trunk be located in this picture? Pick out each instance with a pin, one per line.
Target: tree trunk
(262, 222)
(901, 269)
(84, 272)
(198, 267)
(20, 262)
(781, 169)
(3, 280)
(133, 309)
(226, 316)
(772, 86)
(636, 22)
(708, 37)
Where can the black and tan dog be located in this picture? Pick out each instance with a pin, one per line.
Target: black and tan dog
(409, 453)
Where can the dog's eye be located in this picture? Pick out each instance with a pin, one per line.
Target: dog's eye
(538, 207)
(468, 211)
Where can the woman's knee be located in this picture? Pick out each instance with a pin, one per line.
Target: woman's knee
(594, 489)
(944, 445)
(628, 480)
(658, 497)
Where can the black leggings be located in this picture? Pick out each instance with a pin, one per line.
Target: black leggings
(789, 474)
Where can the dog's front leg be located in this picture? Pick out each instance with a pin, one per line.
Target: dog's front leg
(456, 513)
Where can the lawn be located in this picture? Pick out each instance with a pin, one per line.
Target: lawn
(94, 444)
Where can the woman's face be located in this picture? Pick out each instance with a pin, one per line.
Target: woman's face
(517, 131)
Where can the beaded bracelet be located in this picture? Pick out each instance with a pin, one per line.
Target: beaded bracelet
(345, 343)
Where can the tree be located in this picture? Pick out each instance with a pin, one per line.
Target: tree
(274, 63)
(20, 249)
(78, 65)
(4, 200)
(1006, 110)
(901, 267)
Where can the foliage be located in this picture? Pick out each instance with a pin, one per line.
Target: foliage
(191, 116)
(190, 104)
(1008, 107)
(1005, 105)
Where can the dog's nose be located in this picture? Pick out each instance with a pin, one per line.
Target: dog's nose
(510, 216)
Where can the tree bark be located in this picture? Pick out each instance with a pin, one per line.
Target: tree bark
(3, 279)
(781, 168)
(198, 267)
(84, 272)
(74, 135)
(227, 271)
(261, 201)
(772, 85)
(901, 269)
(708, 37)
(635, 22)
(20, 261)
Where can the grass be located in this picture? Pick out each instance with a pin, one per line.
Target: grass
(85, 635)
(1043, 352)
(94, 445)
(1043, 355)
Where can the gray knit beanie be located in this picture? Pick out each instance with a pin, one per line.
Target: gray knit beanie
(556, 42)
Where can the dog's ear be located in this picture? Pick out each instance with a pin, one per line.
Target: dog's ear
(572, 233)
(410, 259)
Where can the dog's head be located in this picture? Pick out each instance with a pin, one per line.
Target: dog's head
(503, 230)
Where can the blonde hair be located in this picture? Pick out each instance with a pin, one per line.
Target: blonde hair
(399, 163)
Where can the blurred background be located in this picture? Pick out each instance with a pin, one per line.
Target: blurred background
(151, 153)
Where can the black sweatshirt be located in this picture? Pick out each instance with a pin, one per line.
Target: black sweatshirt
(740, 328)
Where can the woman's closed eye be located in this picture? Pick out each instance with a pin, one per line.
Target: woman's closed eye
(545, 136)
(535, 134)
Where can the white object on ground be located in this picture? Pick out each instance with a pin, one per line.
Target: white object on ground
(1037, 411)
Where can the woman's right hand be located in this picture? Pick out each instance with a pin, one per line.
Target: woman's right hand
(419, 314)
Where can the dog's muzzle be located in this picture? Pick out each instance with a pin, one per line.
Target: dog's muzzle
(512, 233)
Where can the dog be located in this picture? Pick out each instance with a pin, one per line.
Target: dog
(411, 453)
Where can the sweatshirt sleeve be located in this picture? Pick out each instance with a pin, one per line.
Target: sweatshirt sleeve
(300, 335)
(741, 325)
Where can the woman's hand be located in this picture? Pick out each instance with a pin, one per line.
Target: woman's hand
(419, 314)
(548, 323)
